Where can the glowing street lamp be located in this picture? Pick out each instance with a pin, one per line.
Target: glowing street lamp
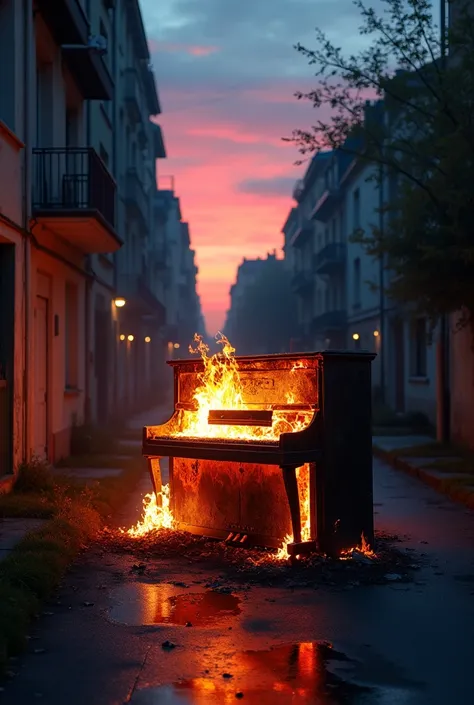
(376, 334)
(176, 346)
(355, 336)
(120, 302)
(122, 337)
(131, 338)
(147, 339)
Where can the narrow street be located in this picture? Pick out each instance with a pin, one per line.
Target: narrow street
(121, 634)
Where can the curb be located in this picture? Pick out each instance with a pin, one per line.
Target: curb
(461, 495)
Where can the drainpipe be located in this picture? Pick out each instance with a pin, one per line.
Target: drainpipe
(27, 29)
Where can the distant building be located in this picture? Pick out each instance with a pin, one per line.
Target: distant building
(339, 286)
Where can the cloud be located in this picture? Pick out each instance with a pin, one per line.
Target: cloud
(274, 186)
(156, 47)
(227, 73)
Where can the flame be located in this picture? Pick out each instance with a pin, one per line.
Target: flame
(363, 548)
(220, 387)
(156, 515)
(302, 477)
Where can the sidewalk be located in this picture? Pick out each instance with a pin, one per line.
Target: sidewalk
(436, 466)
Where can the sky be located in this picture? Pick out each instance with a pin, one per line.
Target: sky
(226, 73)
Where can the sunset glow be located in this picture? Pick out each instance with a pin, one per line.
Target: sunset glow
(227, 76)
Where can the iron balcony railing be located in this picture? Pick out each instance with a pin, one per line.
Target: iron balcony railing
(72, 180)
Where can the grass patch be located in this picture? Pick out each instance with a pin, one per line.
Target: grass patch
(74, 511)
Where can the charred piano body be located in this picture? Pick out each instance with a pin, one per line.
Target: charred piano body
(314, 483)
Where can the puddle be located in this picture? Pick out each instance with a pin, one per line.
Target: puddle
(296, 674)
(139, 604)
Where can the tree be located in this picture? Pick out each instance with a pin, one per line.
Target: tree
(264, 321)
(420, 132)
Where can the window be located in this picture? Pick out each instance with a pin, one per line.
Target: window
(71, 336)
(356, 282)
(419, 348)
(356, 209)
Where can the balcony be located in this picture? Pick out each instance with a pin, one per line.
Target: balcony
(158, 142)
(330, 321)
(66, 19)
(331, 259)
(70, 28)
(302, 283)
(136, 199)
(74, 197)
(302, 233)
(325, 205)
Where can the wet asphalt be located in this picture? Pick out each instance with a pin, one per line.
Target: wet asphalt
(113, 636)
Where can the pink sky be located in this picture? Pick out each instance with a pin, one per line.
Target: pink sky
(210, 157)
(227, 73)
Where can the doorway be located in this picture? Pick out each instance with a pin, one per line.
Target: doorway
(40, 444)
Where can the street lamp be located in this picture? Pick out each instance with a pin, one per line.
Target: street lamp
(355, 336)
(122, 337)
(120, 302)
(131, 338)
(147, 339)
(176, 346)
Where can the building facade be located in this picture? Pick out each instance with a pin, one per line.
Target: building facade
(341, 288)
(78, 155)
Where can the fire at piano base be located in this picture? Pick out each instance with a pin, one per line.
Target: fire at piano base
(272, 451)
(182, 551)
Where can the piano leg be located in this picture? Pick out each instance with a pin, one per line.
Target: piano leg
(291, 487)
(155, 474)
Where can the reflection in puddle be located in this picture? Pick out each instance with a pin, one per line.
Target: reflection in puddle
(295, 674)
(143, 603)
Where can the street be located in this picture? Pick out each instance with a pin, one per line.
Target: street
(119, 633)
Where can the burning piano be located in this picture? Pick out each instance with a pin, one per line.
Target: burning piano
(272, 450)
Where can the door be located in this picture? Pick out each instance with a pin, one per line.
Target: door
(41, 378)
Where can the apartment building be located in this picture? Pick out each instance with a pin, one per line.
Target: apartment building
(79, 300)
(341, 288)
(315, 249)
(177, 260)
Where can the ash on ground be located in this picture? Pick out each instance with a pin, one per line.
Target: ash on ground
(391, 564)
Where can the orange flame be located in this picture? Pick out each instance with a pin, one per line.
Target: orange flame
(302, 476)
(155, 515)
(220, 387)
(364, 548)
